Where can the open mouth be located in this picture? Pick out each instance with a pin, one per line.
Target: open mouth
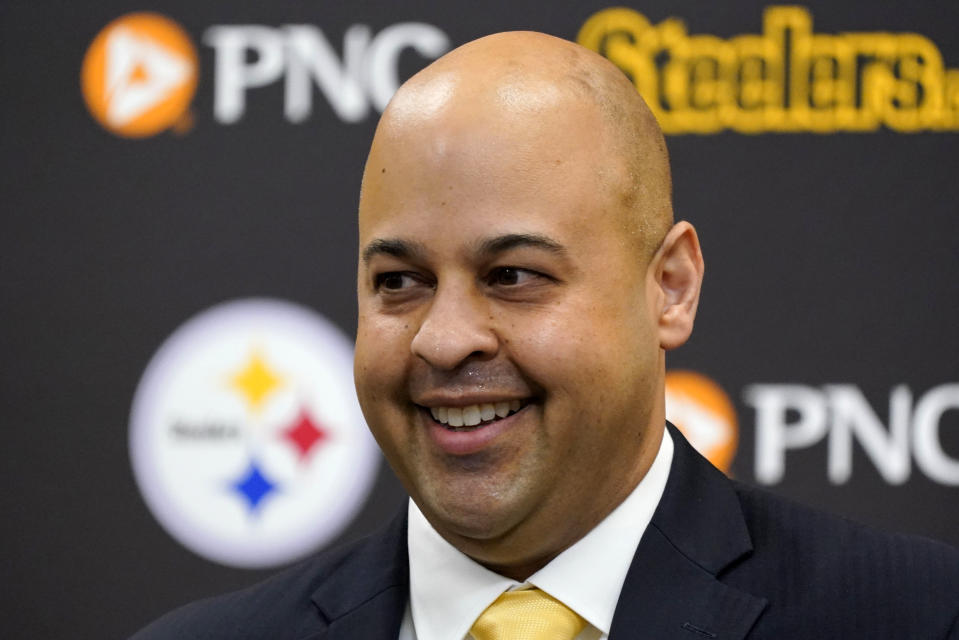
(475, 416)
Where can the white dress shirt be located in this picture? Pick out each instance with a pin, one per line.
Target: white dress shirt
(448, 590)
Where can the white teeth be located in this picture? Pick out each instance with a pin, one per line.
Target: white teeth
(474, 414)
(487, 412)
(471, 416)
(440, 414)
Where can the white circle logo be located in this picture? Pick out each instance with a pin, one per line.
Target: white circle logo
(246, 438)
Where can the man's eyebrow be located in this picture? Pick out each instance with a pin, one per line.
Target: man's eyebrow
(392, 247)
(517, 240)
(407, 249)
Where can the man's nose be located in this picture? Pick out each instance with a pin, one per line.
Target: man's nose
(456, 327)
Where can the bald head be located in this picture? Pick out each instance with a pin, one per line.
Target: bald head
(516, 84)
(516, 252)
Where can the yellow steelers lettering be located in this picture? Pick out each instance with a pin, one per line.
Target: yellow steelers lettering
(786, 79)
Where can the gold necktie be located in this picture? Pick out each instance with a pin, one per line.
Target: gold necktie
(527, 614)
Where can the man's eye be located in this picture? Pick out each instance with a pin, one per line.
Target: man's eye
(394, 281)
(511, 276)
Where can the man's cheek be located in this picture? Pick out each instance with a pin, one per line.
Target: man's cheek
(389, 334)
(376, 340)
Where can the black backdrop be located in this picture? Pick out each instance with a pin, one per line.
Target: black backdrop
(832, 259)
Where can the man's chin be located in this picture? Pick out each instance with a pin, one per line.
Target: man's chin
(494, 539)
(483, 520)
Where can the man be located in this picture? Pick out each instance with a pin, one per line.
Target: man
(520, 280)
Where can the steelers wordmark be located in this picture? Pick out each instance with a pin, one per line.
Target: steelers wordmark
(139, 75)
(246, 438)
(705, 414)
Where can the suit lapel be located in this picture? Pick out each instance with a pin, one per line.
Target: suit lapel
(671, 589)
(365, 595)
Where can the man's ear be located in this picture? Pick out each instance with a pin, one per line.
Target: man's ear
(677, 270)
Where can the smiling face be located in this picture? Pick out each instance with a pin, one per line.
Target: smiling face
(509, 352)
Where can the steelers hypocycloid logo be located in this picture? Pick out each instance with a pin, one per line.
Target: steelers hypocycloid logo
(704, 413)
(139, 75)
(246, 438)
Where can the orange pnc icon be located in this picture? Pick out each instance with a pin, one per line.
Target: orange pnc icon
(703, 412)
(139, 75)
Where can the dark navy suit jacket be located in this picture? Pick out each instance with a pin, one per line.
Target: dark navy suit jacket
(719, 560)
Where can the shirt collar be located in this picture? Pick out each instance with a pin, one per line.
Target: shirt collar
(448, 590)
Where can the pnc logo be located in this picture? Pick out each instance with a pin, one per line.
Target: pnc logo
(705, 414)
(139, 75)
